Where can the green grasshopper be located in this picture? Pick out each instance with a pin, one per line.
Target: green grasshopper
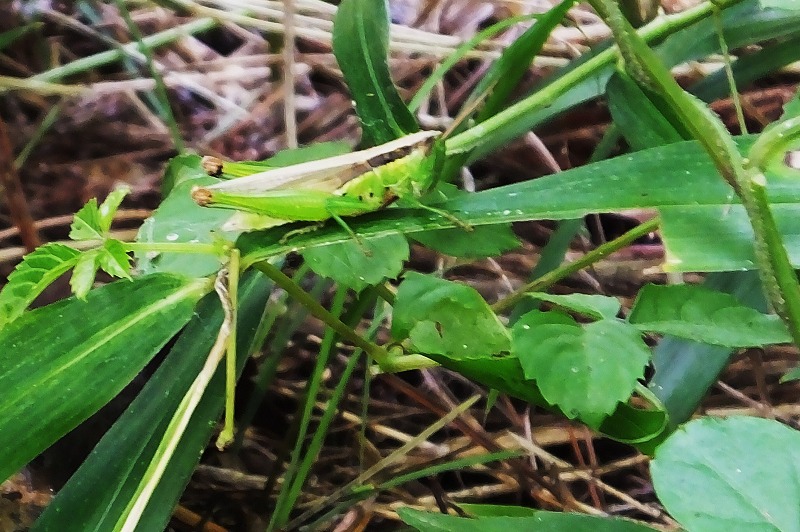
(316, 191)
(332, 188)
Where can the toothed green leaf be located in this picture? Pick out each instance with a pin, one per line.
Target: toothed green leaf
(35, 273)
(114, 260)
(87, 225)
(109, 207)
(84, 272)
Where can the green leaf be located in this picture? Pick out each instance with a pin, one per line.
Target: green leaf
(793, 5)
(83, 275)
(698, 313)
(595, 306)
(642, 124)
(314, 152)
(627, 424)
(505, 74)
(114, 260)
(791, 375)
(709, 478)
(490, 510)
(348, 265)
(745, 23)
(584, 369)
(87, 225)
(685, 370)
(361, 47)
(109, 207)
(110, 475)
(443, 317)
(60, 363)
(541, 521)
(481, 242)
(458, 54)
(8, 37)
(179, 169)
(711, 232)
(180, 219)
(37, 270)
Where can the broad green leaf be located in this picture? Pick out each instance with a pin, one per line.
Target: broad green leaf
(685, 370)
(348, 265)
(447, 318)
(361, 47)
(627, 424)
(481, 242)
(593, 305)
(659, 177)
(83, 274)
(584, 369)
(114, 260)
(179, 169)
(60, 363)
(37, 270)
(734, 474)
(87, 225)
(489, 510)
(180, 219)
(109, 207)
(698, 313)
(540, 521)
(793, 5)
(110, 475)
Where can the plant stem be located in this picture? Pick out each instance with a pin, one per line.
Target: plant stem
(380, 355)
(745, 176)
(173, 247)
(568, 269)
(655, 31)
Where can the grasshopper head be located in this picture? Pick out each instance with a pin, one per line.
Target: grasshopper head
(201, 196)
(212, 165)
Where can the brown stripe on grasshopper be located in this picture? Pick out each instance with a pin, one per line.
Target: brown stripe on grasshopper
(398, 153)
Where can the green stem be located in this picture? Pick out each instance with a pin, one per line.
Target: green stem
(568, 269)
(746, 177)
(656, 31)
(380, 355)
(173, 247)
(781, 285)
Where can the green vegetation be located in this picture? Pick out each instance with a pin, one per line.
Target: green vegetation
(725, 204)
